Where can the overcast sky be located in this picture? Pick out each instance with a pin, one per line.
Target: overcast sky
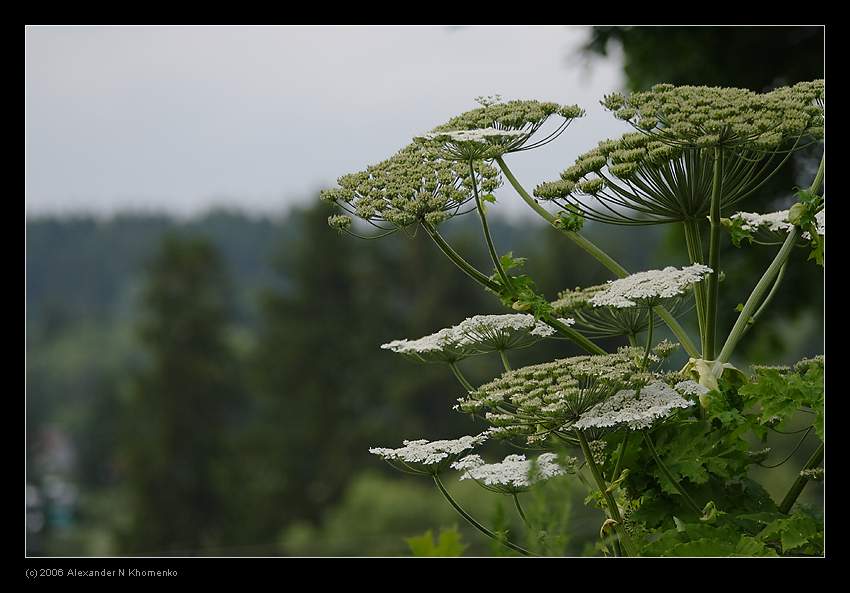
(185, 118)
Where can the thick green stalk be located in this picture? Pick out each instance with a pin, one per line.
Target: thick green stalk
(491, 248)
(767, 299)
(678, 330)
(669, 475)
(582, 242)
(573, 335)
(713, 256)
(475, 523)
(600, 256)
(801, 481)
(613, 509)
(505, 362)
(696, 257)
(757, 295)
(461, 263)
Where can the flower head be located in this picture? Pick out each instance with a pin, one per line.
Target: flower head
(423, 456)
(702, 116)
(471, 145)
(414, 186)
(606, 321)
(663, 172)
(476, 335)
(517, 121)
(537, 400)
(649, 288)
(636, 408)
(513, 474)
(768, 228)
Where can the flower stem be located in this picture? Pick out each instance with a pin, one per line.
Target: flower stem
(585, 244)
(695, 256)
(713, 256)
(621, 453)
(466, 384)
(756, 296)
(461, 263)
(767, 299)
(475, 523)
(573, 335)
(487, 237)
(801, 481)
(669, 475)
(473, 273)
(505, 362)
(765, 282)
(648, 340)
(613, 509)
(600, 256)
(520, 511)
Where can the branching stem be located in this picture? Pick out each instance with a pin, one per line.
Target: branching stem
(476, 524)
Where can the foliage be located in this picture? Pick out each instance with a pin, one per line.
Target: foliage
(448, 544)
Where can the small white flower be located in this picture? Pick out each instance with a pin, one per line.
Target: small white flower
(427, 453)
(476, 335)
(649, 287)
(481, 135)
(776, 221)
(636, 410)
(513, 474)
(691, 388)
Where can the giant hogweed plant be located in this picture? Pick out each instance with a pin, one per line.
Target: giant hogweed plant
(665, 453)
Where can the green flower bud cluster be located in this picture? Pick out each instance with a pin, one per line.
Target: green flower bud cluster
(663, 173)
(702, 116)
(415, 185)
(553, 395)
(339, 222)
(526, 116)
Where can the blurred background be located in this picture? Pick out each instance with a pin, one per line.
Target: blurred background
(203, 371)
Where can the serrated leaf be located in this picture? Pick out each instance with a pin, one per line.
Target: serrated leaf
(448, 544)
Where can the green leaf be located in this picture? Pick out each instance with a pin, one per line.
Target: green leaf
(800, 531)
(750, 546)
(448, 544)
(703, 547)
(737, 233)
(509, 262)
(571, 219)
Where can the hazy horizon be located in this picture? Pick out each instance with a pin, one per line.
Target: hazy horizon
(181, 120)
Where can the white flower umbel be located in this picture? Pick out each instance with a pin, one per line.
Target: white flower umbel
(482, 135)
(423, 456)
(470, 145)
(488, 333)
(650, 287)
(775, 222)
(637, 410)
(514, 474)
(442, 346)
(476, 335)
